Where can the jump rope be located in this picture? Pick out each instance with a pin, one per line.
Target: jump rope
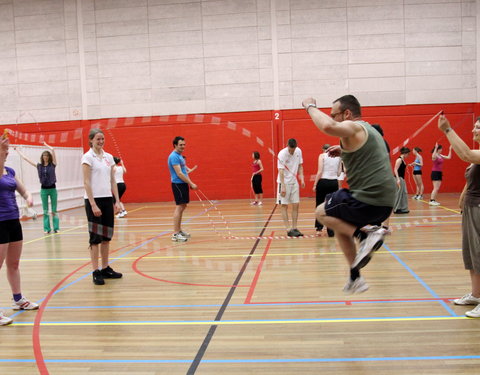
(65, 136)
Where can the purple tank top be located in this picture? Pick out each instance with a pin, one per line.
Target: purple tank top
(437, 165)
(8, 203)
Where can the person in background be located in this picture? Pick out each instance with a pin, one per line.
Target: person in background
(469, 203)
(11, 235)
(417, 173)
(326, 181)
(120, 170)
(257, 169)
(437, 174)
(401, 198)
(48, 179)
(99, 182)
(181, 185)
(290, 164)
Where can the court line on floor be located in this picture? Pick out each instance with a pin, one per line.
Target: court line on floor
(203, 347)
(244, 322)
(245, 360)
(419, 279)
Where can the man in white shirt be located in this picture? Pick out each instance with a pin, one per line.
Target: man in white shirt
(290, 165)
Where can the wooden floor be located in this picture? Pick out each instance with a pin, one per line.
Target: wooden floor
(228, 302)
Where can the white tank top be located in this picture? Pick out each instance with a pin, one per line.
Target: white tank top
(330, 167)
(118, 174)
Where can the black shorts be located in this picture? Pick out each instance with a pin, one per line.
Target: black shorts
(342, 205)
(417, 172)
(436, 176)
(257, 184)
(10, 231)
(100, 227)
(181, 193)
(121, 189)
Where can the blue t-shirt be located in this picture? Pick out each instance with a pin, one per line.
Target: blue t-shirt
(176, 159)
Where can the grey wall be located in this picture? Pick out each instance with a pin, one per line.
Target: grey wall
(83, 59)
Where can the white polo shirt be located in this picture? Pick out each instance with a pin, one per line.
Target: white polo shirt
(101, 168)
(289, 164)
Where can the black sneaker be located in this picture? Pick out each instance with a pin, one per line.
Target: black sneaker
(98, 278)
(109, 273)
(291, 233)
(297, 233)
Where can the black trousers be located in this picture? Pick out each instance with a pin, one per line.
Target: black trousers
(323, 188)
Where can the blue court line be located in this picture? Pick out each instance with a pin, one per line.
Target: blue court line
(114, 260)
(235, 304)
(423, 283)
(246, 360)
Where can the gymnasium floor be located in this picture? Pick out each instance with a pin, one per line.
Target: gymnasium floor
(241, 298)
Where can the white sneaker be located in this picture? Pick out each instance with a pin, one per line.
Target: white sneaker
(467, 299)
(253, 203)
(371, 243)
(4, 320)
(434, 203)
(119, 215)
(24, 304)
(259, 203)
(185, 234)
(179, 237)
(475, 313)
(358, 285)
(415, 197)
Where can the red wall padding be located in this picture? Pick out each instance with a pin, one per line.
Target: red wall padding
(222, 145)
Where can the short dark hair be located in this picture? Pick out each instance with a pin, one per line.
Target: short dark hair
(404, 150)
(292, 143)
(418, 149)
(326, 146)
(176, 139)
(256, 155)
(116, 160)
(378, 128)
(351, 103)
(439, 147)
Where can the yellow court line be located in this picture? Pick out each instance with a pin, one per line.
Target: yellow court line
(237, 255)
(247, 322)
(53, 234)
(445, 208)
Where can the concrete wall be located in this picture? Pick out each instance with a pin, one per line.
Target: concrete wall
(86, 59)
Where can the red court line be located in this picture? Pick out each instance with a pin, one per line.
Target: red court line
(37, 346)
(259, 269)
(135, 268)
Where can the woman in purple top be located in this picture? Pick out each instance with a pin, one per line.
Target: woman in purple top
(470, 205)
(437, 168)
(47, 177)
(11, 236)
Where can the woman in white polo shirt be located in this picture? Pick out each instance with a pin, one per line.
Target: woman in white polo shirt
(99, 182)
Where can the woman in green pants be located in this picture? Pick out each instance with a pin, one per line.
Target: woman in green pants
(46, 174)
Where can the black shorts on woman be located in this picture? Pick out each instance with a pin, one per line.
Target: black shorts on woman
(100, 227)
(342, 205)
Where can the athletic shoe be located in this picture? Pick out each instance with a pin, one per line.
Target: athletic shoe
(467, 299)
(4, 320)
(291, 233)
(416, 197)
(475, 313)
(179, 237)
(401, 211)
(419, 197)
(125, 212)
(253, 203)
(185, 234)
(24, 304)
(371, 243)
(434, 203)
(259, 203)
(356, 286)
(298, 233)
(98, 277)
(119, 215)
(109, 273)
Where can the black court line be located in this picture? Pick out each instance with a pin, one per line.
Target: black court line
(213, 328)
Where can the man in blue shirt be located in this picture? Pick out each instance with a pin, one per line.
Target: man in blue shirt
(180, 187)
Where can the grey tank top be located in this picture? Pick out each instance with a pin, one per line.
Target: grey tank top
(369, 173)
(472, 195)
